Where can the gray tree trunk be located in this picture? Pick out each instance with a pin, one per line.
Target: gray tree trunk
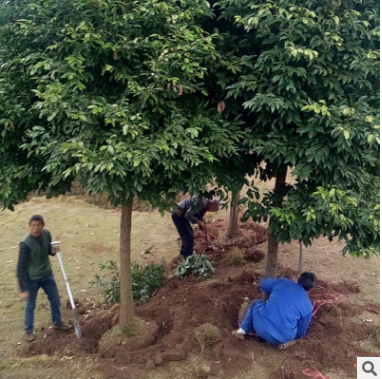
(271, 270)
(127, 310)
(233, 226)
(300, 260)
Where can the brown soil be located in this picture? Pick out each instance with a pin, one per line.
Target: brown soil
(252, 255)
(249, 235)
(181, 306)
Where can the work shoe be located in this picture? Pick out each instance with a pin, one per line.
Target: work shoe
(238, 335)
(62, 326)
(29, 337)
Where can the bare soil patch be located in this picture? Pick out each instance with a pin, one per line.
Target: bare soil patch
(180, 307)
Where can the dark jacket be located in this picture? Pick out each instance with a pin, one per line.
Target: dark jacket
(34, 263)
(192, 208)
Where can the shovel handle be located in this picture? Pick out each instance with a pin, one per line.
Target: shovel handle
(66, 281)
(76, 319)
(206, 235)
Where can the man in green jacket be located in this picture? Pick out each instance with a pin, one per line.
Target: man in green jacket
(34, 271)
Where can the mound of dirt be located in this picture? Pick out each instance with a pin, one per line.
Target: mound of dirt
(181, 306)
(252, 255)
(342, 288)
(177, 310)
(249, 235)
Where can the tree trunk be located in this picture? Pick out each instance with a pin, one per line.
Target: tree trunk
(300, 260)
(233, 226)
(271, 270)
(127, 311)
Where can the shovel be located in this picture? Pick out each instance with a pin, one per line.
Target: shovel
(208, 247)
(76, 318)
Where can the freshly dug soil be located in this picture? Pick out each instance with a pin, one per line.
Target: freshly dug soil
(181, 306)
(249, 235)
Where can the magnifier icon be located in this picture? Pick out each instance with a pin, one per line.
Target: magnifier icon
(370, 370)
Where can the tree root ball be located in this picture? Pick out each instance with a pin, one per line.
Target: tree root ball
(135, 336)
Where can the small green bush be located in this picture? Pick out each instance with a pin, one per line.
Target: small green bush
(195, 264)
(146, 279)
(112, 288)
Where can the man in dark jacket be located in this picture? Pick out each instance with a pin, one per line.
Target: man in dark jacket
(192, 210)
(34, 271)
(285, 316)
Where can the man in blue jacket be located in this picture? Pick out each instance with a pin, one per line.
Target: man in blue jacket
(191, 210)
(285, 316)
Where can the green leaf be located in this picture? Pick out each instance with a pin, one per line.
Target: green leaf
(348, 111)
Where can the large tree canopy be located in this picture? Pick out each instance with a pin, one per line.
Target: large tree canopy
(121, 95)
(111, 94)
(307, 76)
(107, 92)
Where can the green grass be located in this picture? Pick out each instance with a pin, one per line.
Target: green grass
(90, 236)
(53, 367)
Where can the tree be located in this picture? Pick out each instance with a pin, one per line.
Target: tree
(309, 76)
(107, 93)
(231, 173)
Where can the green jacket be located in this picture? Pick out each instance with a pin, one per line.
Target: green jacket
(38, 262)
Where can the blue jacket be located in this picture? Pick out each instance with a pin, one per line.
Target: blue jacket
(287, 313)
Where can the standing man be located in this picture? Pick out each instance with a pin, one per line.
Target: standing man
(285, 316)
(191, 210)
(34, 271)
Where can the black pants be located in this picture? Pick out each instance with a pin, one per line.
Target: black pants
(186, 234)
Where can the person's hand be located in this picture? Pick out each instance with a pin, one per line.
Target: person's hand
(24, 295)
(201, 224)
(55, 249)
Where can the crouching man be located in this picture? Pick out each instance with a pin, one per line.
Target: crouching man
(285, 316)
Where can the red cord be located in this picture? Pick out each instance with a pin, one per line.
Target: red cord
(334, 298)
(318, 303)
(313, 373)
(331, 298)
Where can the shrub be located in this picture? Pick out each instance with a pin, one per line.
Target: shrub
(243, 309)
(195, 264)
(112, 288)
(207, 335)
(146, 279)
(235, 257)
